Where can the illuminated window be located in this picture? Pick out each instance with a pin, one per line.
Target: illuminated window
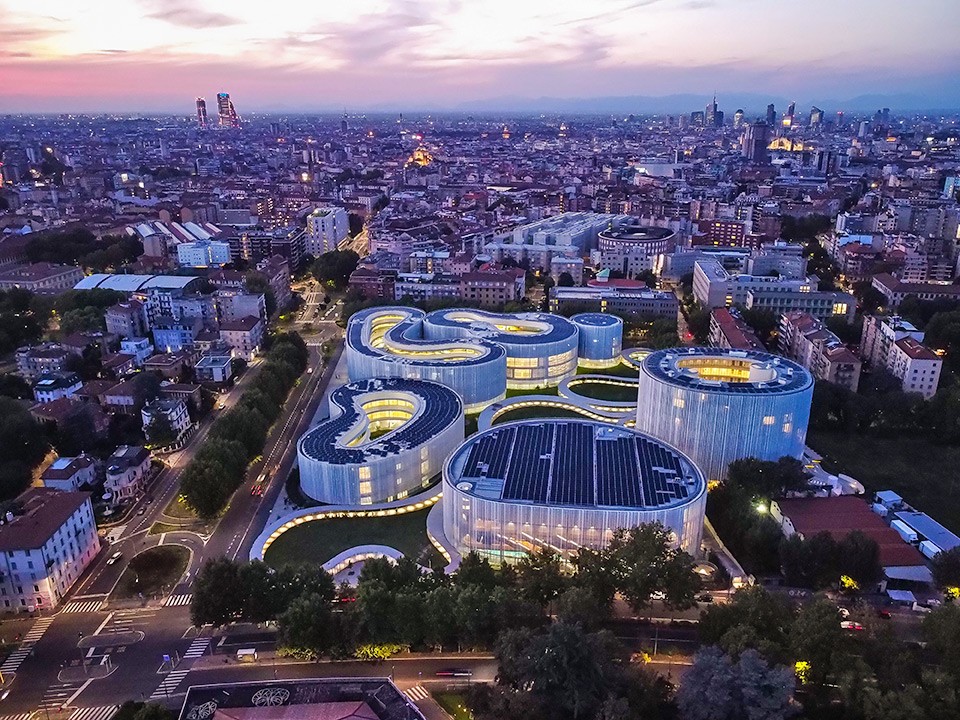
(364, 473)
(769, 420)
(365, 488)
(678, 402)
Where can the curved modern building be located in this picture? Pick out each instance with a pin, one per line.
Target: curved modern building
(601, 339)
(541, 348)
(388, 342)
(385, 439)
(719, 405)
(643, 239)
(565, 484)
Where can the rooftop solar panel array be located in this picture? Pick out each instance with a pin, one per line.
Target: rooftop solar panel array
(579, 462)
(322, 442)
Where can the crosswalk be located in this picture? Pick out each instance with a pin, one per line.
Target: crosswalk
(197, 648)
(82, 606)
(17, 657)
(104, 712)
(416, 693)
(56, 696)
(178, 600)
(21, 716)
(169, 684)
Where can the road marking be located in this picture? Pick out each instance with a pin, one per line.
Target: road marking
(416, 693)
(162, 538)
(103, 624)
(77, 693)
(95, 713)
(17, 657)
(21, 716)
(197, 648)
(82, 607)
(169, 684)
(178, 600)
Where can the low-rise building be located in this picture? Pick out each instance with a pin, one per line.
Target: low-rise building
(216, 369)
(70, 473)
(203, 253)
(127, 319)
(894, 290)
(488, 289)
(40, 277)
(620, 301)
(244, 336)
(127, 470)
(139, 347)
(170, 365)
(808, 341)
(277, 271)
(53, 386)
(45, 547)
(171, 334)
(173, 409)
(35, 360)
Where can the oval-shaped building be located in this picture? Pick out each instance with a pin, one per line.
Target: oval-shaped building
(601, 339)
(385, 439)
(387, 342)
(719, 405)
(541, 348)
(565, 484)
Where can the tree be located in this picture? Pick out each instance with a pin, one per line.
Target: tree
(257, 283)
(765, 479)
(565, 280)
(260, 601)
(815, 636)
(218, 593)
(698, 322)
(595, 573)
(22, 446)
(717, 688)
(476, 570)
(308, 624)
(334, 267)
(14, 386)
(578, 605)
(160, 432)
(941, 628)
(946, 568)
(644, 562)
(858, 557)
(754, 618)
(540, 576)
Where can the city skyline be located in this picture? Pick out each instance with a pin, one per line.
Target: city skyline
(155, 56)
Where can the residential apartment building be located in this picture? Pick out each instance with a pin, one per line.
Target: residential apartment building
(70, 473)
(53, 386)
(728, 330)
(326, 229)
(895, 290)
(244, 336)
(203, 254)
(127, 470)
(895, 344)
(807, 340)
(45, 547)
(173, 409)
(35, 360)
(127, 319)
(489, 289)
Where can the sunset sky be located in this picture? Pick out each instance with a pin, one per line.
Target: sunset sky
(157, 55)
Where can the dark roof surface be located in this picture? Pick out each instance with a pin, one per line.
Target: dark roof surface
(44, 511)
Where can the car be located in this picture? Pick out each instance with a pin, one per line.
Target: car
(705, 598)
(221, 405)
(141, 511)
(885, 614)
(113, 558)
(454, 672)
(851, 625)
(844, 613)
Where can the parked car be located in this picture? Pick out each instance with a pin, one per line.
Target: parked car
(113, 558)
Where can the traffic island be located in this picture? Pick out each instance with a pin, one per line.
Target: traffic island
(111, 639)
(81, 672)
(152, 573)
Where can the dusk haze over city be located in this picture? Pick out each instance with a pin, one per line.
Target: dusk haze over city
(399, 360)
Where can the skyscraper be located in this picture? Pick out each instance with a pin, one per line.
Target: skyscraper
(201, 112)
(226, 112)
(738, 118)
(753, 144)
(771, 115)
(710, 114)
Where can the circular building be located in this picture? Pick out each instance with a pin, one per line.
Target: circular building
(541, 348)
(638, 238)
(719, 405)
(388, 342)
(385, 439)
(565, 484)
(601, 339)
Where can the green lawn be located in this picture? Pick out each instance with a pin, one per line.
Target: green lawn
(318, 541)
(603, 391)
(153, 571)
(526, 413)
(619, 370)
(455, 705)
(513, 392)
(923, 473)
(177, 508)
